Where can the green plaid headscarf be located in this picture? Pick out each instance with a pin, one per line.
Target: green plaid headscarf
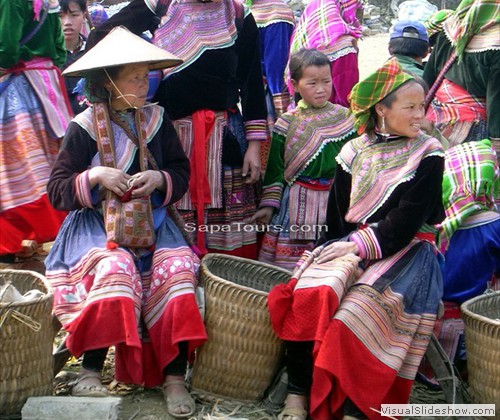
(470, 18)
(434, 22)
(368, 92)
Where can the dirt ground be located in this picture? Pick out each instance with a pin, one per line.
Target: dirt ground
(138, 403)
(373, 53)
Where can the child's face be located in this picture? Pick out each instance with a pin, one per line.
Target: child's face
(315, 85)
(72, 22)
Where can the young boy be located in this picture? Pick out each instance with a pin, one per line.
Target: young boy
(409, 43)
(72, 17)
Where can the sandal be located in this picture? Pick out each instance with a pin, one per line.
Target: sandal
(29, 248)
(88, 384)
(293, 413)
(174, 403)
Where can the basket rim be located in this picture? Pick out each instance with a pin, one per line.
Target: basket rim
(20, 303)
(216, 255)
(466, 311)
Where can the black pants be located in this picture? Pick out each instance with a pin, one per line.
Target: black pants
(299, 364)
(94, 360)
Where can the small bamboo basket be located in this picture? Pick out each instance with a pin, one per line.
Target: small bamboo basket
(26, 335)
(482, 340)
(242, 354)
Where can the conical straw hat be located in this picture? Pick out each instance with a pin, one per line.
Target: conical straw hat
(121, 47)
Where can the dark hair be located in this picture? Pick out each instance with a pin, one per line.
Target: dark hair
(387, 101)
(82, 4)
(305, 58)
(94, 84)
(412, 47)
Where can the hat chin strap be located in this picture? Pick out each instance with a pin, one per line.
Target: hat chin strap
(124, 96)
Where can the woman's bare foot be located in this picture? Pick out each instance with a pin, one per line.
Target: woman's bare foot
(180, 404)
(295, 408)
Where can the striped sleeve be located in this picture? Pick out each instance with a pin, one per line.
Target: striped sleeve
(82, 189)
(168, 187)
(272, 196)
(367, 243)
(256, 130)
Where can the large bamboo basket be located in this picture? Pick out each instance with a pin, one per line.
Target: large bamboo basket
(482, 340)
(242, 354)
(26, 362)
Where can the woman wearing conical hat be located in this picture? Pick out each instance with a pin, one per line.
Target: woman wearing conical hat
(140, 300)
(217, 103)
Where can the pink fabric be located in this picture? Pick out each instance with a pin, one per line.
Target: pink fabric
(345, 74)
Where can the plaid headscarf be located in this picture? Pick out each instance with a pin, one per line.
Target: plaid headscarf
(434, 22)
(471, 182)
(370, 91)
(470, 18)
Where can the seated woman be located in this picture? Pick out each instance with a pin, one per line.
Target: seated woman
(140, 300)
(361, 335)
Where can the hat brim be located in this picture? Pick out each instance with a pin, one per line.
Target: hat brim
(121, 47)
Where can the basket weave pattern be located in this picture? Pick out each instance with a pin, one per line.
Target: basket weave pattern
(242, 354)
(26, 362)
(482, 339)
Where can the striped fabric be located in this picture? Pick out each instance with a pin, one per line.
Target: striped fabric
(470, 18)
(487, 39)
(34, 114)
(308, 130)
(308, 203)
(367, 243)
(184, 128)
(29, 146)
(370, 315)
(189, 29)
(377, 168)
(471, 183)
(256, 130)
(267, 12)
(46, 80)
(338, 274)
(226, 228)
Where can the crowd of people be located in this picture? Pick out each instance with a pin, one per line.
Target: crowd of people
(140, 142)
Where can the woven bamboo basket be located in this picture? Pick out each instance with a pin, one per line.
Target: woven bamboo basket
(242, 354)
(26, 362)
(482, 340)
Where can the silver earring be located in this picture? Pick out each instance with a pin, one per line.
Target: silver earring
(383, 124)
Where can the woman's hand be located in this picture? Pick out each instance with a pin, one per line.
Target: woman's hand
(251, 163)
(262, 216)
(144, 183)
(110, 178)
(336, 250)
